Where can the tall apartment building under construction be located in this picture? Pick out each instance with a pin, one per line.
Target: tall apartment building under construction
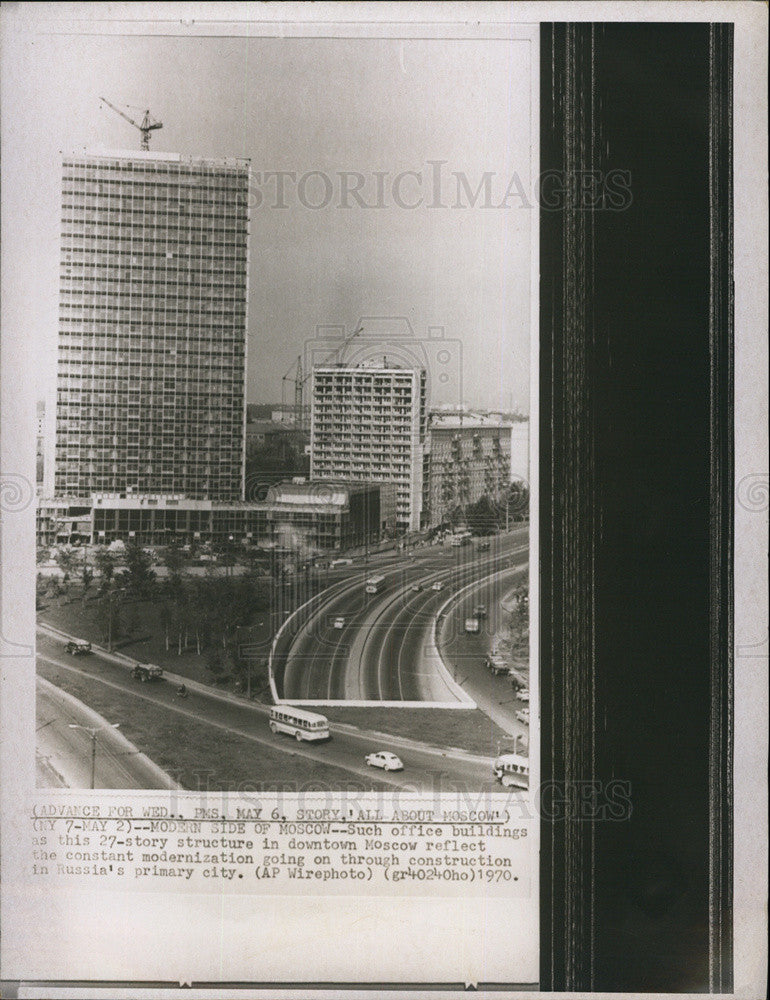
(368, 423)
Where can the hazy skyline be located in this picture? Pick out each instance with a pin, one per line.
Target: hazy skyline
(325, 110)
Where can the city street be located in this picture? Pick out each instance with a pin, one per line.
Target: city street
(465, 655)
(425, 768)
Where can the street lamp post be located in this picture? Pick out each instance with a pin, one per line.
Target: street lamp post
(110, 612)
(93, 732)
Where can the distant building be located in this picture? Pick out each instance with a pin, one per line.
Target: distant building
(274, 433)
(520, 451)
(468, 455)
(368, 423)
(285, 414)
(331, 515)
(152, 326)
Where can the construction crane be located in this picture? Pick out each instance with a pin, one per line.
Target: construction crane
(148, 123)
(300, 378)
(296, 368)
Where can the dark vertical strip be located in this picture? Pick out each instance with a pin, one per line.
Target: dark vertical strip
(721, 520)
(568, 150)
(636, 493)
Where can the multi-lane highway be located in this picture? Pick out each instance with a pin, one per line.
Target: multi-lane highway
(426, 768)
(383, 650)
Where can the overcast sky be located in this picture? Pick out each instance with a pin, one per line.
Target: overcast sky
(375, 107)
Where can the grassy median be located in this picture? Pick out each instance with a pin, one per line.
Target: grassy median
(463, 729)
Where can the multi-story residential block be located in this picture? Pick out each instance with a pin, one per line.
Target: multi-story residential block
(152, 326)
(520, 450)
(468, 456)
(368, 423)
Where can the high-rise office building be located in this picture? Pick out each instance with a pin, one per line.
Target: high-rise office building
(152, 326)
(368, 423)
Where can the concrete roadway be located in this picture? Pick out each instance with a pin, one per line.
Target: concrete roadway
(379, 654)
(426, 769)
(465, 654)
(64, 754)
(400, 654)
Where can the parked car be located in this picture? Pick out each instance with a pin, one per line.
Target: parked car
(523, 695)
(472, 626)
(384, 759)
(480, 611)
(78, 647)
(523, 716)
(339, 622)
(147, 672)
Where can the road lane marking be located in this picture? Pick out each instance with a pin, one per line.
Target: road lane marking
(469, 567)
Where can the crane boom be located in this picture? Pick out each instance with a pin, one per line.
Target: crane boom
(335, 353)
(148, 123)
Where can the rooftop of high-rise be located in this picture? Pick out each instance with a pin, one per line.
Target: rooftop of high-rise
(153, 156)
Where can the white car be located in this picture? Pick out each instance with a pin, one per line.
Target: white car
(523, 696)
(438, 585)
(339, 622)
(523, 716)
(384, 759)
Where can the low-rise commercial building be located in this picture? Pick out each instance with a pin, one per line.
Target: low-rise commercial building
(305, 515)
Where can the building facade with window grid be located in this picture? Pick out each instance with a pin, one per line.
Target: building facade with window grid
(368, 423)
(152, 326)
(466, 458)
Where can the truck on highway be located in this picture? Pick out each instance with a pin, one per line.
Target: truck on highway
(78, 647)
(147, 672)
(375, 584)
(496, 664)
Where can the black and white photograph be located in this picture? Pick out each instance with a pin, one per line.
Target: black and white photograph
(283, 401)
(383, 499)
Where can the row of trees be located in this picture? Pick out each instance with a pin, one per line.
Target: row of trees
(488, 514)
(206, 614)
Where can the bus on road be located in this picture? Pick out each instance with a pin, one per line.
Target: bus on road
(298, 723)
(375, 584)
